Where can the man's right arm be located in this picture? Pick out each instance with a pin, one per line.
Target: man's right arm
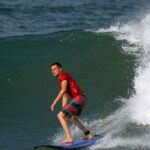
(60, 94)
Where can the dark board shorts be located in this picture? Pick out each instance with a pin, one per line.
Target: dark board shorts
(75, 106)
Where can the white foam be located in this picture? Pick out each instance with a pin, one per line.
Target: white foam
(134, 142)
(139, 103)
(111, 29)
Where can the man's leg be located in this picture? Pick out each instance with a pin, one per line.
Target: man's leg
(81, 127)
(65, 127)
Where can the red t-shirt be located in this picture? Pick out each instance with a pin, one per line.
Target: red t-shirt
(72, 87)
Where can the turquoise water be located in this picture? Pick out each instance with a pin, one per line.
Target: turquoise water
(107, 54)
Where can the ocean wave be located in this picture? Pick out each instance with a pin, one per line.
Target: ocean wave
(135, 111)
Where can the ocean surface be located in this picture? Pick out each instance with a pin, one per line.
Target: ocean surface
(103, 44)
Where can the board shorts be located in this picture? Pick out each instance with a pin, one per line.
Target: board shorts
(75, 106)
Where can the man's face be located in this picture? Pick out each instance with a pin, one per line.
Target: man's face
(55, 70)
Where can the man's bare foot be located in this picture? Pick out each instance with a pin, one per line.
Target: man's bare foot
(87, 137)
(66, 141)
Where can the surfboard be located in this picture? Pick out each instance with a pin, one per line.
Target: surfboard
(82, 143)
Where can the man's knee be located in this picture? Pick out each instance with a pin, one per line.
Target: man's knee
(60, 115)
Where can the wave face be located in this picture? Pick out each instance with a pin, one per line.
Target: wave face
(106, 48)
(96, 61)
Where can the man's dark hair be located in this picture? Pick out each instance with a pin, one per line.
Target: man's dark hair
(56, 63)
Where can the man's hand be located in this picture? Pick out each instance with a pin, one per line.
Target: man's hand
(52, 107)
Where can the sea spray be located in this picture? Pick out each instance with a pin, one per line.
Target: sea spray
(139, 103)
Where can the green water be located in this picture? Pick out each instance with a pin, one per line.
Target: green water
(96, 61)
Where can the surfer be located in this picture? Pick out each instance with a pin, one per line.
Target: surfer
(69, 87)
